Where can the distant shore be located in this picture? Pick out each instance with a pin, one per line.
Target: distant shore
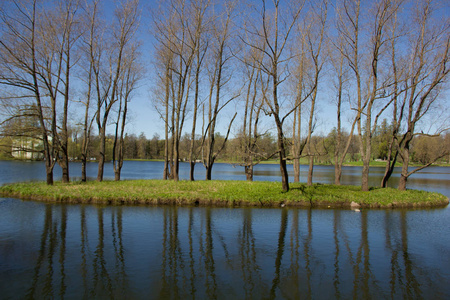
(303, 162)
(222, 193)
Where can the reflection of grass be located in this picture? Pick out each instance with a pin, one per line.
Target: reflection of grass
(229, 193)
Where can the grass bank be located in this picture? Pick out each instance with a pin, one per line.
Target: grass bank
(221, 193)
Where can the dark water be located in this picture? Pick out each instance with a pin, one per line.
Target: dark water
(138, 252)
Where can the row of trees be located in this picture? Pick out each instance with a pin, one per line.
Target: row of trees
(277, 62)
(65, 53)
(384, 58)
(424, 149)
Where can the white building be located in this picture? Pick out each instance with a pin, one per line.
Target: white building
(27, 148)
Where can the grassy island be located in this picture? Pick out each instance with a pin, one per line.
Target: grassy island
(222, 193)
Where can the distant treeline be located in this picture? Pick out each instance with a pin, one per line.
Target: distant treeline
(424, 148)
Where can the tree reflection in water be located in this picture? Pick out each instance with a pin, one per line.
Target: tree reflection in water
(195, 252)
(247, 253)
(45, 276)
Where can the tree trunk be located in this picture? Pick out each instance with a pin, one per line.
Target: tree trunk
(166, 159)
(49, 171)
(249, 172)
(296, 136)
(404, 174)
(283, 167)
(296, 169)
(64, 164)
(208, 171)
(310, 170)
(390, 165)
(101, 159)
(337, 172)
(176, 167)
(83, 168)
(365, 175)
(191, 170)
(402, 182)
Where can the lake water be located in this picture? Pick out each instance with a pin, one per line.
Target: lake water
(144, 252)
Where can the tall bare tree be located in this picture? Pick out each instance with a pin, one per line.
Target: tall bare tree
(178, 28)
(303, 63)
(128, 83)
(37, 44)
(398, 68)
(250, 134)
(341, 71)
(108, 68)
(427, 74)
(314, 30)
(275, 29)
(62, 23)
(352, 31)
(200, 42)
(220, 58)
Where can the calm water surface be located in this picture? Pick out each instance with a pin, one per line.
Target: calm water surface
(139, 252)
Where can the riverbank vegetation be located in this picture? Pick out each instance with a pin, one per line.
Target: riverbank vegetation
(141, 148)
(222, 193)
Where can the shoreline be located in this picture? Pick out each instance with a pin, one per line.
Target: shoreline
(373, 163)
(222, 194)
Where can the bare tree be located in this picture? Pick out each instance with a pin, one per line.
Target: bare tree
(35, 51)
(108, 70)
(220, 58)
(351, 30)
(200, 44)
(315, 38)
(250, 135)
(90, 51)
(62, 22)
(341, 85)
(178, 28)
(128, 83)
(303, 63)
(275, 29)
(397, 70)
(426, 76)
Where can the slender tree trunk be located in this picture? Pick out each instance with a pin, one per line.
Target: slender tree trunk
(65, 138)
(194, 118)
(337, 173)
(176, 162)
(296, 166)
(282, 153)
(83, 168)
(191, 170)
(310, 170)
(101, 158)
(208, 167)
(390, 165)
(337, 165)
(84, 146)
(166, 126)
(296, 143)
(365, 175)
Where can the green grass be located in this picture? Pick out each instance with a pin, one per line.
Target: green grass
(220, 193)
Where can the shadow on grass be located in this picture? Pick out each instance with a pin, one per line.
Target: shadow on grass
(307, 193)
